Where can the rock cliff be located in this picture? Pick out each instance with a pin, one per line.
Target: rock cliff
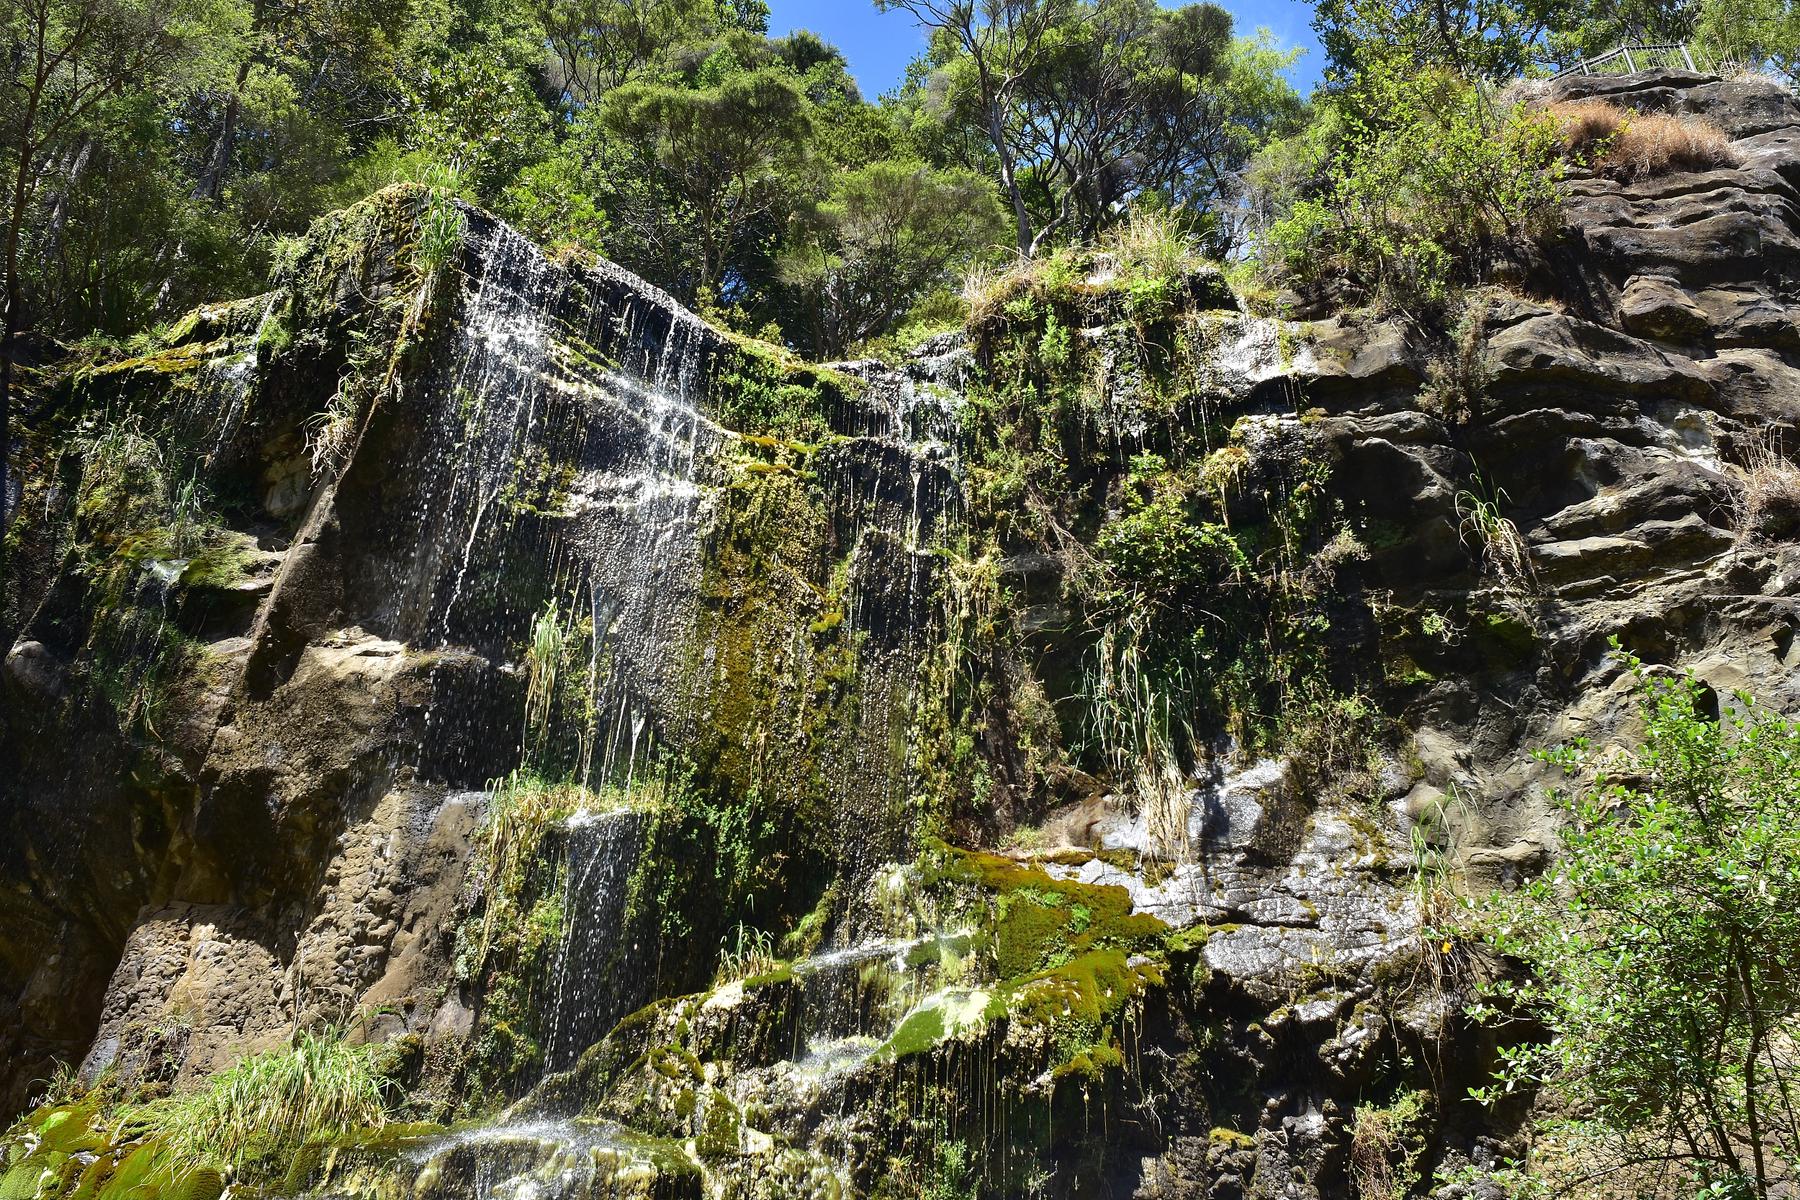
(709, 773)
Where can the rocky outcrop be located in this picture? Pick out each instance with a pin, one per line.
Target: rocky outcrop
(777, 629)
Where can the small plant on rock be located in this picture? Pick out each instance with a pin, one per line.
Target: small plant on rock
(440, 225)
(1386, 1146)
(329, 434)
(745, 953)
(1632, 147)
(1489, 532)
(269, 1105)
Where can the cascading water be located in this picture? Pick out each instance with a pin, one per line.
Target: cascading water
(595, 980)
(568, 428)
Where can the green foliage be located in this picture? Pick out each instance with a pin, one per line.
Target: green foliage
(1476, 39)
(745, 953)
(1088, 110)
(690, 171)
(476, 113)
(258, 1112)
(745, 174)
(1494, 538)
(1494, 42)
(440, 228)
(1069, 959)
(1660, 948)
(1157, 545)
(1413, 183)
(544, 657)
(1752, 33)
(889, 233)
(81, 138)
(1387, 1143)
(1196, 577)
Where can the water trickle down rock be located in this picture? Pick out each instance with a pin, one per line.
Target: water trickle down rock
(564, 434)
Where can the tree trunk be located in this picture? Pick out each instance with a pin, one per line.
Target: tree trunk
(6, 390)
(211, 186)
(9, 341)
(1009, 177)
(212, 181)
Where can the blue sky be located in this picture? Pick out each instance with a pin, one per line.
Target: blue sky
(879, 45)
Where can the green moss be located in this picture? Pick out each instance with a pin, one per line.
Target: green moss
(721, 1127)
(20, 1182)
(1091, 989)
(676, 1062)
(203, 1183)
(1037, 919)
(764, 391)
(1232, 1138)
(1506, 638)
(947, 1014)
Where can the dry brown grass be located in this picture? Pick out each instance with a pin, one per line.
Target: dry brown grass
(1769, 505)
(1635, 146)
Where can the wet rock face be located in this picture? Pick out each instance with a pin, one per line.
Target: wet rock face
(555, 522)
(243, 766)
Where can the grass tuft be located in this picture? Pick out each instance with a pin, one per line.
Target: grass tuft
(267, 1105)
(1769, 502)
(1632, 147)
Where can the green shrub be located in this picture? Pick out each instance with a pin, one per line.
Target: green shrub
(440, 225)
(1386, 1146)
(1751, 34)
(1409, 185)
(1663, 948)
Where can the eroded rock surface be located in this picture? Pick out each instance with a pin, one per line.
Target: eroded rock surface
(762, 559)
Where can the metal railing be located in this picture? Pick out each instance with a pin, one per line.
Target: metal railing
(1633, 59)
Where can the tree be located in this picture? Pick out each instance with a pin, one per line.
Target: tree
(597, 45)
(890, 232)
(1408, 183)
(1495, 40)
(474, 112)
(66, 59)
(690, 171)
(1001, 42)
(1102, 105)
(1664, 949)
(1760, 33)
(1592, 27)
(1133, 101)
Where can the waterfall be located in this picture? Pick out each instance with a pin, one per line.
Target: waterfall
(596, 982)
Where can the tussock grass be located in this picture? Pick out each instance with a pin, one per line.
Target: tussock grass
(1636, 146)
(543, 657)
(1504, 553)
(319, 1090)
(1769, 503)
(745, 953)
(330, 433)
(1145, 258)
(522, 807)
(1152, 245)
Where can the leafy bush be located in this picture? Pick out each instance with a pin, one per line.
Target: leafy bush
(1663, 949)
(1156, 546)
(1386, 1145)
(1410, 183)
